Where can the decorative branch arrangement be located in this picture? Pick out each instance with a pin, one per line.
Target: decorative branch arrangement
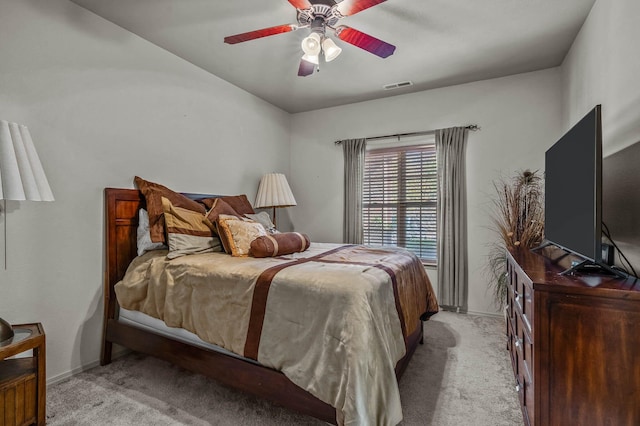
(518, 219)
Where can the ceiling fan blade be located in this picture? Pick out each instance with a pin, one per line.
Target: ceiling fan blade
(252, 35)
(306, 68)
(365, 41)
(301, 4)
(351, 7)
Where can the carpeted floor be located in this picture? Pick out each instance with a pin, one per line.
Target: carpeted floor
(460, 376)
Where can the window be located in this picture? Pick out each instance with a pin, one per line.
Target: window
(400, 193)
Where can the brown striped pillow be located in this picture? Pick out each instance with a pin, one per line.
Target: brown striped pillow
(153, 193)
(188, 232)
(279, 244)
(219, 207)
(239, 203)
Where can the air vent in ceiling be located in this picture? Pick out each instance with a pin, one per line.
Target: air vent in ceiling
(397, 85)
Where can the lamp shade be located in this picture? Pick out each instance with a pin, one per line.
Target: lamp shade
(331, 50)
(21, 174)
(311, 44)
(314, 59)
(274, 191)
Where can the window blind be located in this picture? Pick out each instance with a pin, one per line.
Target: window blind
(400, 192)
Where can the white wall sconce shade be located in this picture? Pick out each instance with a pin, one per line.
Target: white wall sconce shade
(21, 174)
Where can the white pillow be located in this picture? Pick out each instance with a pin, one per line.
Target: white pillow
(144, 237)
(264, 219)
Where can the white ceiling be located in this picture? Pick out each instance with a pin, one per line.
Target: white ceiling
(439, 43)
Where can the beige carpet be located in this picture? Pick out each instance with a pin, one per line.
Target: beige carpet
(460, 376)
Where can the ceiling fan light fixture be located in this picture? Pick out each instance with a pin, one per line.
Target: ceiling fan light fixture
(311, 44)
(316, 16)
(314, 59)
(331, 50)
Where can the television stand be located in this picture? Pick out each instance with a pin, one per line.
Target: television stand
(546, 243)
(542, 245)
(589, 267)
(583, 266)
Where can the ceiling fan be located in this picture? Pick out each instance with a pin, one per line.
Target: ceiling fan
(318, 15)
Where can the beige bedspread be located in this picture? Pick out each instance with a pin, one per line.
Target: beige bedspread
(333, 319)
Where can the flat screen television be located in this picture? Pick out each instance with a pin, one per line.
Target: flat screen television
(573, 190)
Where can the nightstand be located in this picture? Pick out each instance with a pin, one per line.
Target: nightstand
(23, 380)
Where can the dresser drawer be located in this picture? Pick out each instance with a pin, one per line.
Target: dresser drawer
(511, 338)
(524, 380)
(524, 344)
(17, 401)
(523, 298)
(527, 306)
(526, 395)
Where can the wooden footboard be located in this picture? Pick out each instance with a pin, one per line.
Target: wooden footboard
(121, 209)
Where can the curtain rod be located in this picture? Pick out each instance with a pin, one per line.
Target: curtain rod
(472, 127)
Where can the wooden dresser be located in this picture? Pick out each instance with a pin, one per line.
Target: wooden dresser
(574, 342)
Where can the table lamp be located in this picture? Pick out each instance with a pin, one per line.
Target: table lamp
(21, 178)
(274, 191)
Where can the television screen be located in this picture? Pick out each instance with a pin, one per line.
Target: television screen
(573, 186)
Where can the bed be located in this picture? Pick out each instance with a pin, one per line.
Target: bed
(250, 371)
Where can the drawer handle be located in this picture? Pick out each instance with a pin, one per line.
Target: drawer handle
(518, 296)
(518, 387)
(518, 342)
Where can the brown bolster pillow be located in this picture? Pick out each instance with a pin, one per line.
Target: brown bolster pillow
(279, 244)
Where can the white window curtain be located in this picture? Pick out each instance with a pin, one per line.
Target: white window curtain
(452, 217)
(354, 154)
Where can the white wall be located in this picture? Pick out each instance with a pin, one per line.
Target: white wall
(103, 105)
(520, 117)
(603, 67)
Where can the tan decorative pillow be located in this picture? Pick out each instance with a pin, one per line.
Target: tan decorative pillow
(188, 232)
(279, 244)
(239, 203)
(239, 233)
(220, 207)
(153, 193)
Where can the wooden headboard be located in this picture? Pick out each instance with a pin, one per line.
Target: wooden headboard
(121, 221)
(121, 210)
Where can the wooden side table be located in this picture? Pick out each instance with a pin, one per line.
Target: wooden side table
(23, 380)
